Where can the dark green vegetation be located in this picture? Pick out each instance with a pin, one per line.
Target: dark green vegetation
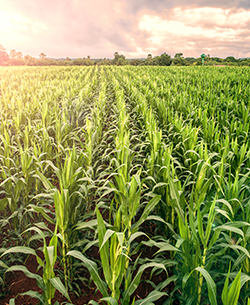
(148, 164)
(17, 59)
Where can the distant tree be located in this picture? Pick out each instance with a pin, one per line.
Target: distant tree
(244, 62)
(16, 58)
(198, 61)
(83, 62)
(4, 57)
(19, 55)
(178, 55)
(104, 62)
(135, 62)
(30, 61)
(149, 58)
(48, 62)
(119, 60)
(179, 60)
(42, 56)
(217, 59)
(17, 62)
(190, 60)
(230, 59)
(163, 60)
(154, 61)
(79, 62)
(13, 54)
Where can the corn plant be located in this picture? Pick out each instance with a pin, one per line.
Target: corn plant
(73, 138)
(114, 251)
(68, 199)
(48, 282)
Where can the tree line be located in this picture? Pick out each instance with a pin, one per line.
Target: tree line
(16, 58)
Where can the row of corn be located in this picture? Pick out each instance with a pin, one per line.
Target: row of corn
(95, 156)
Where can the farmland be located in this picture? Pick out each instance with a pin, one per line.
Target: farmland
(119, 178)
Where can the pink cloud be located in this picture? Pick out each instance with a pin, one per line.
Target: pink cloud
(77, 28)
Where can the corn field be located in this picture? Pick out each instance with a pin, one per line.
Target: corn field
(148, 165)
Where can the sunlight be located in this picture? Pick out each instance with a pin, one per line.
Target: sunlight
(16, 27)
(5, 22)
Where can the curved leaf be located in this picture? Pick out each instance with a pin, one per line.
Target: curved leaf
(29, 274)
(153, 296)
(3, 265)
(234, 291)
(110, 300)
(57, 283)
(149, 207)
(88, 224)
(93, 302)
(34, 294)
(136, 281)
(210, 285)
(20, 249)
(92, 268)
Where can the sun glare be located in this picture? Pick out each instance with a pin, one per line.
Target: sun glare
(17, 27)
(5, 22)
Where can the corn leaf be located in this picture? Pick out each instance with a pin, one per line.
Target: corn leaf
(149, 207)
(136, 281)
(210, 285)
(234, 291)
(92, 268)
(29, 274)
(153, 296)
(57, 283)
(110, 300)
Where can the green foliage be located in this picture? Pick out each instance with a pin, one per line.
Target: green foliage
(114, 252)
(48, 282)
(119, 60)
(105, 152)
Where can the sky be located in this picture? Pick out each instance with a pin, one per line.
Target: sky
(134, 28)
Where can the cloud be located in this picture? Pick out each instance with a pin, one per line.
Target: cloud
(77, 28)
(199, 30)
(158, 6)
